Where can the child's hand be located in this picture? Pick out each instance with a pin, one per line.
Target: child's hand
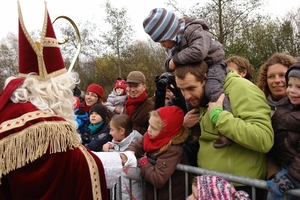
(142, 161)
(106, 147)
(117, 110)
(172, 65)
(218, 103)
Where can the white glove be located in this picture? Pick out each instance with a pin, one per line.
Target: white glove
(131, 159)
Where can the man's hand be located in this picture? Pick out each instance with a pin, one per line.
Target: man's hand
(191, 118)
(218, 103)
(172, 65)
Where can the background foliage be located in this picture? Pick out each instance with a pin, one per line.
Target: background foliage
(240, 25)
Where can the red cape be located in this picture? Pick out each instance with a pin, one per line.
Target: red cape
(41, 158)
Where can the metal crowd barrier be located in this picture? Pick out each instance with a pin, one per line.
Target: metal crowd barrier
(254, 183)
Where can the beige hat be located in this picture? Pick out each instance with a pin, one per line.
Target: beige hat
(136, 77)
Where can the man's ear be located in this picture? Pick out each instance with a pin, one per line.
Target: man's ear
(244, 73)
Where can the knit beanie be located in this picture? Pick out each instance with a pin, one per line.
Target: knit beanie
(293, 71)
(100, 109)
(97, 89)
(161, 25)
(120, 83)
(211, 187)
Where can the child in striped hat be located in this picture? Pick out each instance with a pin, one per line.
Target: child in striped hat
(189, 41)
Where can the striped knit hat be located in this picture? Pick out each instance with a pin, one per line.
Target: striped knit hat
(161, 25)
(212, 187)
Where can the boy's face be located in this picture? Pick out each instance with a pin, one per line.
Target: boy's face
(168, 44)
(95, 118)
(293, 90)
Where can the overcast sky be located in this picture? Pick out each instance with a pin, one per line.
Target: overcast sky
(32, 11)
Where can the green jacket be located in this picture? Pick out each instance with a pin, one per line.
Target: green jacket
(248, 126)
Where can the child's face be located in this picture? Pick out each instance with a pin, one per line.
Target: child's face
(117, 134)
(168, 44)
(95, 118)
(154, 126)
(119, 91)
(293, 90)
(194, 194)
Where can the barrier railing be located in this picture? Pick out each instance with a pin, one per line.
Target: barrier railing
(254, 183)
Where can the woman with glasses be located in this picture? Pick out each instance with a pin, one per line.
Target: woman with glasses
(93, 95)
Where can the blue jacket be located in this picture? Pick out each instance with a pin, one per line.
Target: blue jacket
(81, 118)
(96, 140)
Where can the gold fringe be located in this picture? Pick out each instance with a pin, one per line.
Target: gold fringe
(18, 149)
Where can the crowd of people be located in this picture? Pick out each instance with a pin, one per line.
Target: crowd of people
(48, 136)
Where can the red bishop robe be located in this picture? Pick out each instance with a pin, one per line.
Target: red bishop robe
(41, 158)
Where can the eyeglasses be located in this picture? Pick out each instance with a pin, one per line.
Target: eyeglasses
(92, 94)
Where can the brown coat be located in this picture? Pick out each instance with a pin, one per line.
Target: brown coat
(140, 115)
(286, 125)
(158, 171)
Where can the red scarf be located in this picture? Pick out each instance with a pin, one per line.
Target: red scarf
(172, 117)
(84, 107)
(132, 102)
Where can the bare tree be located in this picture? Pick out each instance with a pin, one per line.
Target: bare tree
(119, 36)
(226, 18)
(8, 57)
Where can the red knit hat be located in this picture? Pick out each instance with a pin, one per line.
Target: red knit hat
(97, 89)
(120, 83)
(43, 59)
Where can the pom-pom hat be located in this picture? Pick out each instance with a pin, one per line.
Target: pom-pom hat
(42, 59)
(120, 83)
(161, 25)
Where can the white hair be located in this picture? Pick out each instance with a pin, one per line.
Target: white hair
(54, 95)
